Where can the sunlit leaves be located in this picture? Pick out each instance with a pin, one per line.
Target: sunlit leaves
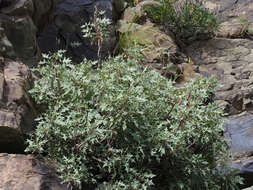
(128, 127)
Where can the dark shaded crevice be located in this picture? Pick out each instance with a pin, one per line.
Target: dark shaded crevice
(12, 143)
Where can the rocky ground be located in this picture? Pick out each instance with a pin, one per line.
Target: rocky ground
(29, 27)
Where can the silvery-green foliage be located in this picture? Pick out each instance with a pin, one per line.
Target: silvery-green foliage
(185, 18)
(97, 31)
(128, 127)
(98, 28)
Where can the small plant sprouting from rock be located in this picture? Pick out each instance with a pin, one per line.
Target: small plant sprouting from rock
(97, 31)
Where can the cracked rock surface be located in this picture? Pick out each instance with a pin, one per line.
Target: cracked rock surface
(25, 172)
(229, 57)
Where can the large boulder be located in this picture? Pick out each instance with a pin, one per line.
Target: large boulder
(229, 57)
(236, 17)
(228, 9)
(21, 33)
(159, 48)
(6, 48)
(25, 172)
(239, 132)
(230, 60)
(17, 111)
(21, 21)
(250, 188)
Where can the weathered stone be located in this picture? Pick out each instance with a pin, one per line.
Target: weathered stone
(43, 13)
(131, 14)
(230, 60)
(17, 111)
(236, 17)
(250, 188)
(25, 172)
(232, 28)
(20, 22)
(160, 49)
(227, 9)
(6, 48)
(118, 7)
(16, 76)
(1, 79)
(239, 132)
(22, 35)
(11, 137)
(21, 7)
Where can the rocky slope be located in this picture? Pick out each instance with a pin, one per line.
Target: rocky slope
(229, 56)
(29, 27)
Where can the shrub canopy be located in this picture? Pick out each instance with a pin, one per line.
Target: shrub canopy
(128, 127)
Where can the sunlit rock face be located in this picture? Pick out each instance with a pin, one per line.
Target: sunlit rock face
(26, 172)
(17, 111)
(66, 29)
(20, 22)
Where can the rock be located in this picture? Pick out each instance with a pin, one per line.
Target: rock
(17, 111)
(22, 35)
(230, 60)
(227, 9)
(118, 7)
(245, 168)
(228, 57)
(27, 173)
(159, 49)
(232, 28)
(20, 22)
(65, 30)
(133, 14)
(43, 12)
(239, 132)
(250, 188)
(6, 48)
(188, 72)
(21, 7)
(236, 17)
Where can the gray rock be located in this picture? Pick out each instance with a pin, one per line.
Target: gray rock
(17, 111)
(227, 9)
(22, 35)
(239, 132)
(236, 17)
(27, 172)
(6, 48)
(230, 60)
(74, 6)
(20, 22)
(250, 188)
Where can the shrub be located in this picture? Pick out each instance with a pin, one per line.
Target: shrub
(185, 18)
(128, 127)
(97, 31)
